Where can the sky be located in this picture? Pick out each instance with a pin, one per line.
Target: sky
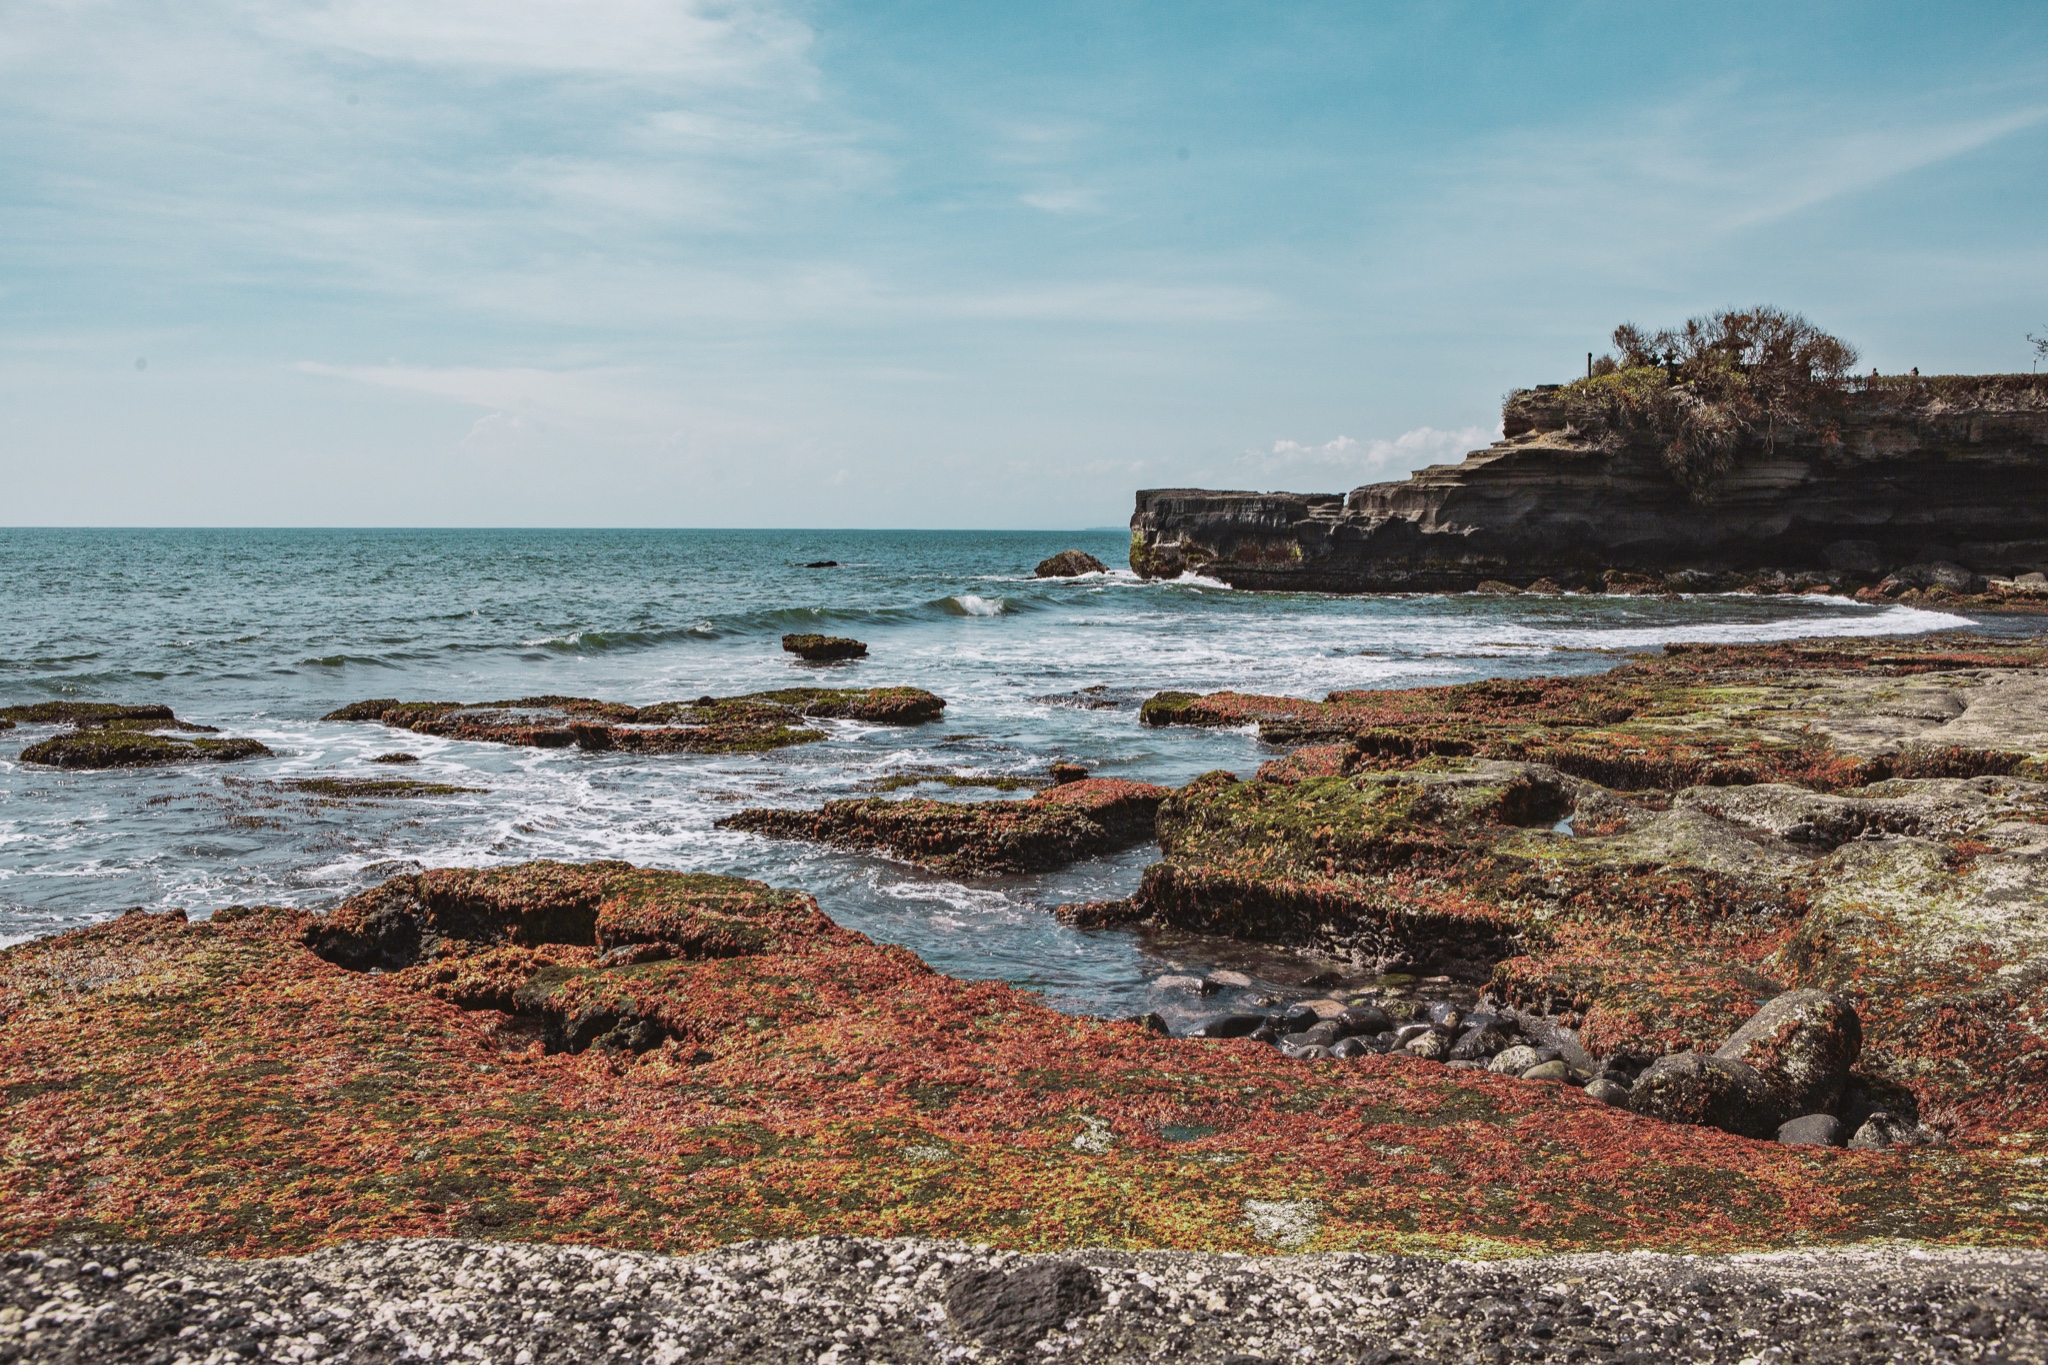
(666, 263)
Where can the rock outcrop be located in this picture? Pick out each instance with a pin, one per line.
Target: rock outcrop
(1073, 819)
(1068, 564)
(1646, 856)
(819, 649)
(111, 735)
(1943, 480)
(708, 725)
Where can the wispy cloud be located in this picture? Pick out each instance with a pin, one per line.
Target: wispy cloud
(1343, 460)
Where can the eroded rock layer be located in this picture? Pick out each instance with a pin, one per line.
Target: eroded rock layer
(1945, 477)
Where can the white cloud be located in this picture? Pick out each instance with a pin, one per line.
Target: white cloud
(1063, 201)
(1350, 462)
(725, 43)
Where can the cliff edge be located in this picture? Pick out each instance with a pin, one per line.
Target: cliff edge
(1581, 488)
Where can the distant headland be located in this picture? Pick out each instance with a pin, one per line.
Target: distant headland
(1736, 452)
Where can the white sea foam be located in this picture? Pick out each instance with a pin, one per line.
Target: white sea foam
(974, 605)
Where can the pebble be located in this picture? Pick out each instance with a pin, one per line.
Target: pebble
(915, 1302)
(1555, 1070)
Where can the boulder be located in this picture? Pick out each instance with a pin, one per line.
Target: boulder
(1802, 1045)
(824, 648)
(1555, 1070)
(1885, 1129)
(1813, 1130)
(1713, 1092)
(1608, 1092)
(1068, 564)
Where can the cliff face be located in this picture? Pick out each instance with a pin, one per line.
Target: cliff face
(1908, 471)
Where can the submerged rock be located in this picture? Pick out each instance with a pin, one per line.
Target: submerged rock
(824, 648)
(1056, 826)
(1068, 564)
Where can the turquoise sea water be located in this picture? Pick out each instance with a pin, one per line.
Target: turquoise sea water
(262, 632)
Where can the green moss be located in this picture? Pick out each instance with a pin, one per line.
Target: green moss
(122, 748)
(365, 788)
(81, 713)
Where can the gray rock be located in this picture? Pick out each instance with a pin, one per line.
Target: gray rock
(1608, 1092)
(1367, 1019)
(1802, 1044)
(1407, 1033)
(1548, 1071)
(1813, 1130)
(1430, 1046)
(1192, 985)
(1232, 980)
(1514, 1061)
(1478, 1044)
(1713, 1092)
(1018, 1307)
(1310, 1053)
(1229, 1026)
(1885, 1129)
(1352, 1047)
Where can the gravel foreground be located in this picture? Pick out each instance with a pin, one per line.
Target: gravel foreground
(857, 1301)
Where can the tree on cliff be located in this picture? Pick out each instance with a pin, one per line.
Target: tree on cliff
(1718, 381)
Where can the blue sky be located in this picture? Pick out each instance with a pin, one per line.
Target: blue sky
(650, 262)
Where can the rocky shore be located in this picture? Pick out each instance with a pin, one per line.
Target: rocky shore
(1731, 947)
(1930, 487)
(856, 1301)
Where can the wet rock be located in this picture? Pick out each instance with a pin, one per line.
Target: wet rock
(396, 758)
(1018, 1307)
(1068, 772)
(1714, 1092)
(1885, 1129)
(824, 648)
(108, 735)
(1812, 1130)
(1229, 1026)
(1068, 564)
(1230, 980)
(1548, 1071)
(754, 722)
(1514, 1061)
(822, 564)
(1191, 985)
(1352, 1047)
(1303, 1053)
(1151, 1023)
(1608, 1092)
(1479, 1044)
(1056, 826)
(1367, 1019)
(1802, 1044)
(1321, 1034)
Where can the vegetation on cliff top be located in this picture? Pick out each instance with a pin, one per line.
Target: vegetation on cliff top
(1716, 383)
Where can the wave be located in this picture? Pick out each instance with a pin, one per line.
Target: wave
(605, 641)
(972, 604)
(344, 660)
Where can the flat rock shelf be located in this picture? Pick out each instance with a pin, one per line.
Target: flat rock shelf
(849, 1300)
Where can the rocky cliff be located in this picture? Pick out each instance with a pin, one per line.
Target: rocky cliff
(1899, 472)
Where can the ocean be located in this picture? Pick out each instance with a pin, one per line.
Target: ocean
(262, 632)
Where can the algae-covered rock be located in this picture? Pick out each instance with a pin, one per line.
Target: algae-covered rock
(1713, 1092)
(1056, 826)
(752, 722)
(114, 735)
(1802, 1044)
(824, 648)
(1068, 564)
